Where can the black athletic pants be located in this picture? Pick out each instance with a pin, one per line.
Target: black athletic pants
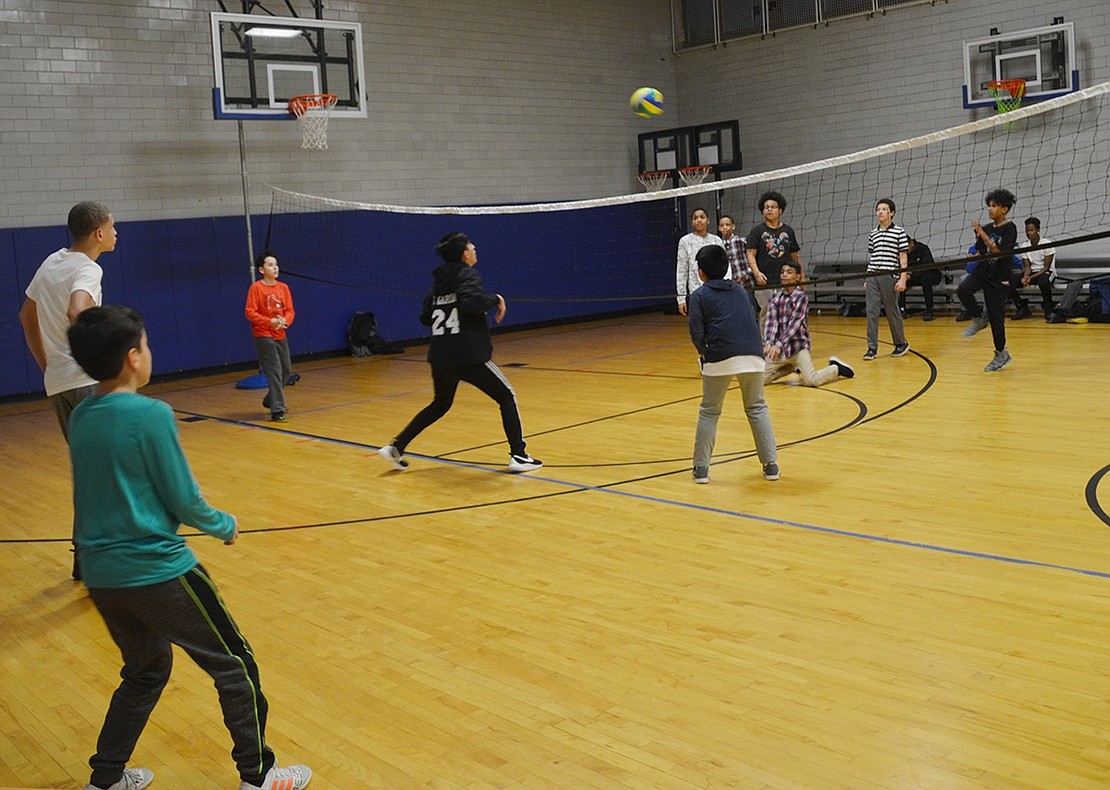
(445, 381)
(995, 297)
(145, 622)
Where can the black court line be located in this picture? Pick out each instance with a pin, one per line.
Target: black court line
(612, 488)
(1091, 494)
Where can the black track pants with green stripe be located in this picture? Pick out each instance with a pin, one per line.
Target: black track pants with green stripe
(145, 622)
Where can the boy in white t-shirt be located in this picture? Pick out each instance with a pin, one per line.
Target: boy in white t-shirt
(1038, 265)
(66, 284)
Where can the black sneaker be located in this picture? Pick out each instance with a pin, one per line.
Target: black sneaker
(964, 316)
(1022, 313)
(771, 471)
(928, 316)
(871, 354)
(279, 416)
(900, 350)
(523, 463)
(701, 474)
(843, 369)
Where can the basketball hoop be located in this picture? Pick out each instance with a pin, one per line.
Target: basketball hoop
(695, 175)
(1007, 96)
(312, 111)
(655, 180)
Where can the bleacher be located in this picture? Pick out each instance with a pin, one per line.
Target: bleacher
(828, 290)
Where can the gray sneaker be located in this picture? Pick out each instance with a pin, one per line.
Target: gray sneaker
(132, 779)
(771, 471)
(289, 777)
(978, 323)
(1001, 359)
(701, 474)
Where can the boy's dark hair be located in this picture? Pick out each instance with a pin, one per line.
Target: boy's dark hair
(772, 195)
(452, 246)
(723, 217)
(1036, 223)
(889, 202)
(713, 261)
(101, 337)
(696, 209)
(793, 264)
(1001, 197)
(86, 217)
(261, 258)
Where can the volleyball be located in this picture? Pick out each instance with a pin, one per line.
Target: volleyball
(647, 102)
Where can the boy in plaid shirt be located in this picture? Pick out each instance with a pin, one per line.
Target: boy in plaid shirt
(787, 343)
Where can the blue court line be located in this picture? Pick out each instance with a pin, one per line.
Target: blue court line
(610, 489)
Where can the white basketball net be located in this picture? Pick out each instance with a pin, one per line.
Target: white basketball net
(655, 181)
(312, 116)
(694, 175)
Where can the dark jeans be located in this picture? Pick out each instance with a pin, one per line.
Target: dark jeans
(445, 381)
(926, 280)
(145, 622)
(1045, 286)
(995, 296)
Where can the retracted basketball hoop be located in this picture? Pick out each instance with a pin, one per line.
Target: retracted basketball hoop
(312, 111)
(695, 175)
(655, 180)
(1007, 96)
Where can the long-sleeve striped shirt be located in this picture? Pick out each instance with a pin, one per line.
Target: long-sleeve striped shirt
(787, 325)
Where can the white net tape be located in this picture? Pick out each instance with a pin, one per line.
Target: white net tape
(729, 183)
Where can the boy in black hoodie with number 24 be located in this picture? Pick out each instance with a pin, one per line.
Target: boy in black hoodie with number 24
(461, 350)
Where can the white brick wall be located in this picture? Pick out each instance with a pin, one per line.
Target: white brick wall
(474, 102)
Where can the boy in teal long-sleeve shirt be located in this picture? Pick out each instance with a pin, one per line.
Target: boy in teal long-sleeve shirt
(132, 489)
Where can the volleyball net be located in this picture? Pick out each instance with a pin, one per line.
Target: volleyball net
(609, 253)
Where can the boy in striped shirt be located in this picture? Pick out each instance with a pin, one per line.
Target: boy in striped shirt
(887, 248)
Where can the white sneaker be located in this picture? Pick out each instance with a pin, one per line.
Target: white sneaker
(132, 779)
(524, 463)
(291, 777)
(394, 458)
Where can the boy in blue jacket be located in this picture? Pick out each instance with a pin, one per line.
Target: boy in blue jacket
(132, 489)
(725, 333)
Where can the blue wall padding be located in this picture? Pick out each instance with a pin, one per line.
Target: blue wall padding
(189, 277)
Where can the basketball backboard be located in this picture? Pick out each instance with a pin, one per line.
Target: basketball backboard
(1043, 57)
(261, 62)
(716, 144)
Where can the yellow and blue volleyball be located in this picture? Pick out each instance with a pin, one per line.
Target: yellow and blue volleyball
(647, 102)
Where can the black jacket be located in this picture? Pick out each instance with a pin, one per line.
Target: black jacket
(456, 310)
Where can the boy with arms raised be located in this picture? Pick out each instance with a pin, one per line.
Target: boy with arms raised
(998, 237)
(724, 331)
(132, 489)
